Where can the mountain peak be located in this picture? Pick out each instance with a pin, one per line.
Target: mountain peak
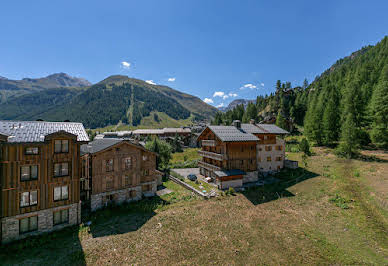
(66, 80)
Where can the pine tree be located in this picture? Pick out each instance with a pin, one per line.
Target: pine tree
(281, 121)
(379, 133)
(349, 144)
(330, 119)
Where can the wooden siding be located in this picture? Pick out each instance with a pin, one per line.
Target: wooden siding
(14, 157)
(118, 153)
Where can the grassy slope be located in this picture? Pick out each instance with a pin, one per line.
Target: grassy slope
(296, 225)
(191, 153)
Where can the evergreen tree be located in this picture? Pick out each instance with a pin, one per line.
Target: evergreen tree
(331, 118)
(281, 121)
(379, 108)
(349, 144)
(305, 84)
(304, 146)
(163, 149)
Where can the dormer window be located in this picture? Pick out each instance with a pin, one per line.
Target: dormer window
(32, 151)
(61, 146)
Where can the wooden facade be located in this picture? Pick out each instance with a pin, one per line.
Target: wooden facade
(13, 157)
(122, 166)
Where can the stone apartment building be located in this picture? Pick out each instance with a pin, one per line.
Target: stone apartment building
(233, 155)
(39, 177)
(117, 171)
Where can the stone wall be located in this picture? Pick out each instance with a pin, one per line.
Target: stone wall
(251, 177)
(10, 225)
(101, 200)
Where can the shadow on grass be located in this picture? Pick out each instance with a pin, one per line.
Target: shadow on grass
(288, 177)
(371, 158)
(125, 218)
(57, 248)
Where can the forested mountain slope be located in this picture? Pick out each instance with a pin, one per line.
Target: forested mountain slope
(14, 88)
(347, 104)
(117, 99)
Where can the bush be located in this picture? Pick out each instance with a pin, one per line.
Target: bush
(304, 146)
(230, 191)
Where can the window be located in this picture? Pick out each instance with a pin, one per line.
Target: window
(109, 165)
(132, 194)
(32, 151)
(265, 137)
(278, 148)
(260, 149)
(29, 198)
(146, 172)
(28, 224)
(109, 184)
(146, 188)
(61, 193)
(279, 159)
(145, 157)
(61, 169)
(61, 217)
(268, 148)
(61, 146)
(127, 180)
(128, 163)
(29, 172)
(269, 159)
(252, 148)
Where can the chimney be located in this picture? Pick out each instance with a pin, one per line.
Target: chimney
(237, 123)
(252, 121)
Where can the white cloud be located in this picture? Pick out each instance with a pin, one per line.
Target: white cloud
(208, 100)
(225, 97)
(262, 84)
(218, 94)
(249, 86)
(150, 81)
(125, 65)
(171, 79)
(220, 105)
(232, 94)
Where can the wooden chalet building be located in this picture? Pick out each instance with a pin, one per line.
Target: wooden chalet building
(39, 177)
(117, 171)
(233, 155)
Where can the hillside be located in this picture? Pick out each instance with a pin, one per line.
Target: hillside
(115, 100)
(233, 104)
(14, 88)
(351, 97)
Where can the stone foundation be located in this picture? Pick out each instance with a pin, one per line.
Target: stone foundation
(118, 197)
(10, 225)
(251, 177)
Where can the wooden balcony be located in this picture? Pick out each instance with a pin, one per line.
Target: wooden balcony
(212, 155)
(210, 143)
(208, 166)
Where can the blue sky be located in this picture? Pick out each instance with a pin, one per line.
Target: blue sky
(220, 50)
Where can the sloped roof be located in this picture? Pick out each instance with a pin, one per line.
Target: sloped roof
(98, 145)
(35, 131)
(232, 134)
(232, 172)
(273, 129)
(253, 129)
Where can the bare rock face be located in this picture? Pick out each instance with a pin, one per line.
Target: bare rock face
(65, 80)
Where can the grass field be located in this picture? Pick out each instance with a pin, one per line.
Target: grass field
(335, 211)
(187, 155)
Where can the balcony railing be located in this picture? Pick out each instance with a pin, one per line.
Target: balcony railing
(209, 166)
(210, 143)
(212, 155)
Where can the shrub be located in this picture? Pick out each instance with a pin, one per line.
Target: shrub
(304, 146)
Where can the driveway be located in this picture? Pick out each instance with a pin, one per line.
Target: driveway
(186, 171)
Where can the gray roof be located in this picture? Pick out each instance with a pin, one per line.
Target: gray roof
(231, 133)
(101, 144)
(253, 129)
(232, 172)
(35, 131)
(98, 145)
(271, 128)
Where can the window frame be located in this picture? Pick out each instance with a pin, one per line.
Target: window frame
(127, 166)
(29, 225)
(61, 168)
(61, 147)
(269, 159)
(62, 221)
(34, 147)
(29, 199)
(30, 172)
(61, 196)
(111, 165)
